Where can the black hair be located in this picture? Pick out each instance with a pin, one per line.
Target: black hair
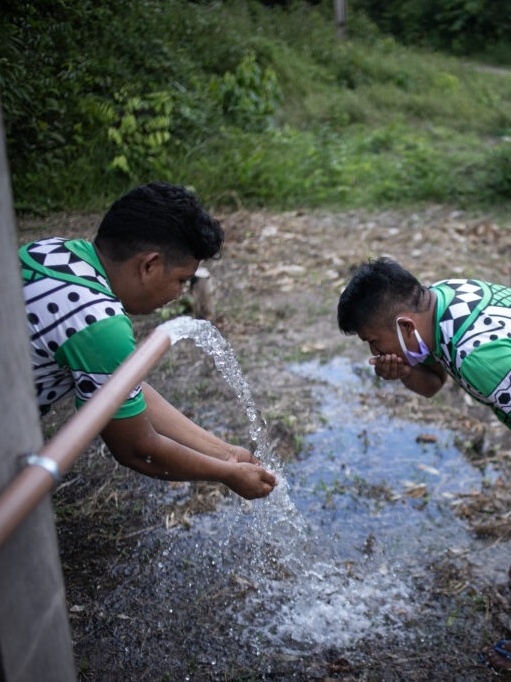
(377, 292)
(160, 216)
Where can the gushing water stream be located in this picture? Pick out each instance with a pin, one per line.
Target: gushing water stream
(208, 338)
(304, 593)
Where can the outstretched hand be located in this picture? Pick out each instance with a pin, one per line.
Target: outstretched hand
(390, 367)
(250, 480)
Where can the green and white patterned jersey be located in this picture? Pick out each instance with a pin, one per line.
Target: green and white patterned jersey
(79, 331)
(473, 340)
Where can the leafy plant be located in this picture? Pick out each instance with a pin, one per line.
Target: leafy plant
(140, 127)
(249, 97)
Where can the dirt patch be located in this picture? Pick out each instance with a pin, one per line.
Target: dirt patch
(276, 289)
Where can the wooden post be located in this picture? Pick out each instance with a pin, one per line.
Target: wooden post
(341, 11)
(35, 640)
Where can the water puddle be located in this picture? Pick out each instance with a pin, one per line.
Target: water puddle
(336, 551)
(367, 475)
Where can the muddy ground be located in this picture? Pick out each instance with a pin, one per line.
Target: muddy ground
(275, 295)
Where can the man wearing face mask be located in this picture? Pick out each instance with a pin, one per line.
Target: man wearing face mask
(419, 334)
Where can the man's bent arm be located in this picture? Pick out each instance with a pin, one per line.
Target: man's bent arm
(169, 421)
(425, 380)
(135, 444)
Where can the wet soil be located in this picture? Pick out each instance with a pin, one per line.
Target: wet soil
(275, 295)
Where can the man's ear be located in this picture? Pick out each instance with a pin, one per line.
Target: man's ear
(149, 264)
(407, 326)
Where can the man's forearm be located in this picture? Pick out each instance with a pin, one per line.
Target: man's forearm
(170, 422)
(173, 461)
(424, 381)
(136, 444)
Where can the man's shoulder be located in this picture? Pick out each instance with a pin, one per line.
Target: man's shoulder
(54, 252)
(459, 284)
(475, 294)
(70, 260)
(469, 295)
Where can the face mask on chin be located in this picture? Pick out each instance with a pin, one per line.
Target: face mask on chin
(413, 358)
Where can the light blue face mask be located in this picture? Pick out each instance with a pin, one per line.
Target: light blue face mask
(413, 358)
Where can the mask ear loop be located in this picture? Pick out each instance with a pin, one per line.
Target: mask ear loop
(400, 335)
(424, 351)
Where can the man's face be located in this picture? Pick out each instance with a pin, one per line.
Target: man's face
(161, 283)
(382, 340)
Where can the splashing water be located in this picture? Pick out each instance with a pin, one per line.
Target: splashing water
(208, 338)
(301, 593)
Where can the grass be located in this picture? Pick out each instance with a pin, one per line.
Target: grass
(266, 107)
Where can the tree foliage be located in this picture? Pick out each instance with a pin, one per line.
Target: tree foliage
(127, 82)
(245, 98)
(463, 27)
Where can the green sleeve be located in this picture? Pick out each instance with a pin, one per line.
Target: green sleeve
(96, 351)
(485, 367)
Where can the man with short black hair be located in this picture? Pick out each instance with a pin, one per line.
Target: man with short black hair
(78, 295)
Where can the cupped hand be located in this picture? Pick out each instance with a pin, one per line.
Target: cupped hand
(238, 454)
(250, 480)
(390, 367)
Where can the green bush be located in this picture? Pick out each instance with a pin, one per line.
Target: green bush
(499, 180)
(249, 104)
(249, 97)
